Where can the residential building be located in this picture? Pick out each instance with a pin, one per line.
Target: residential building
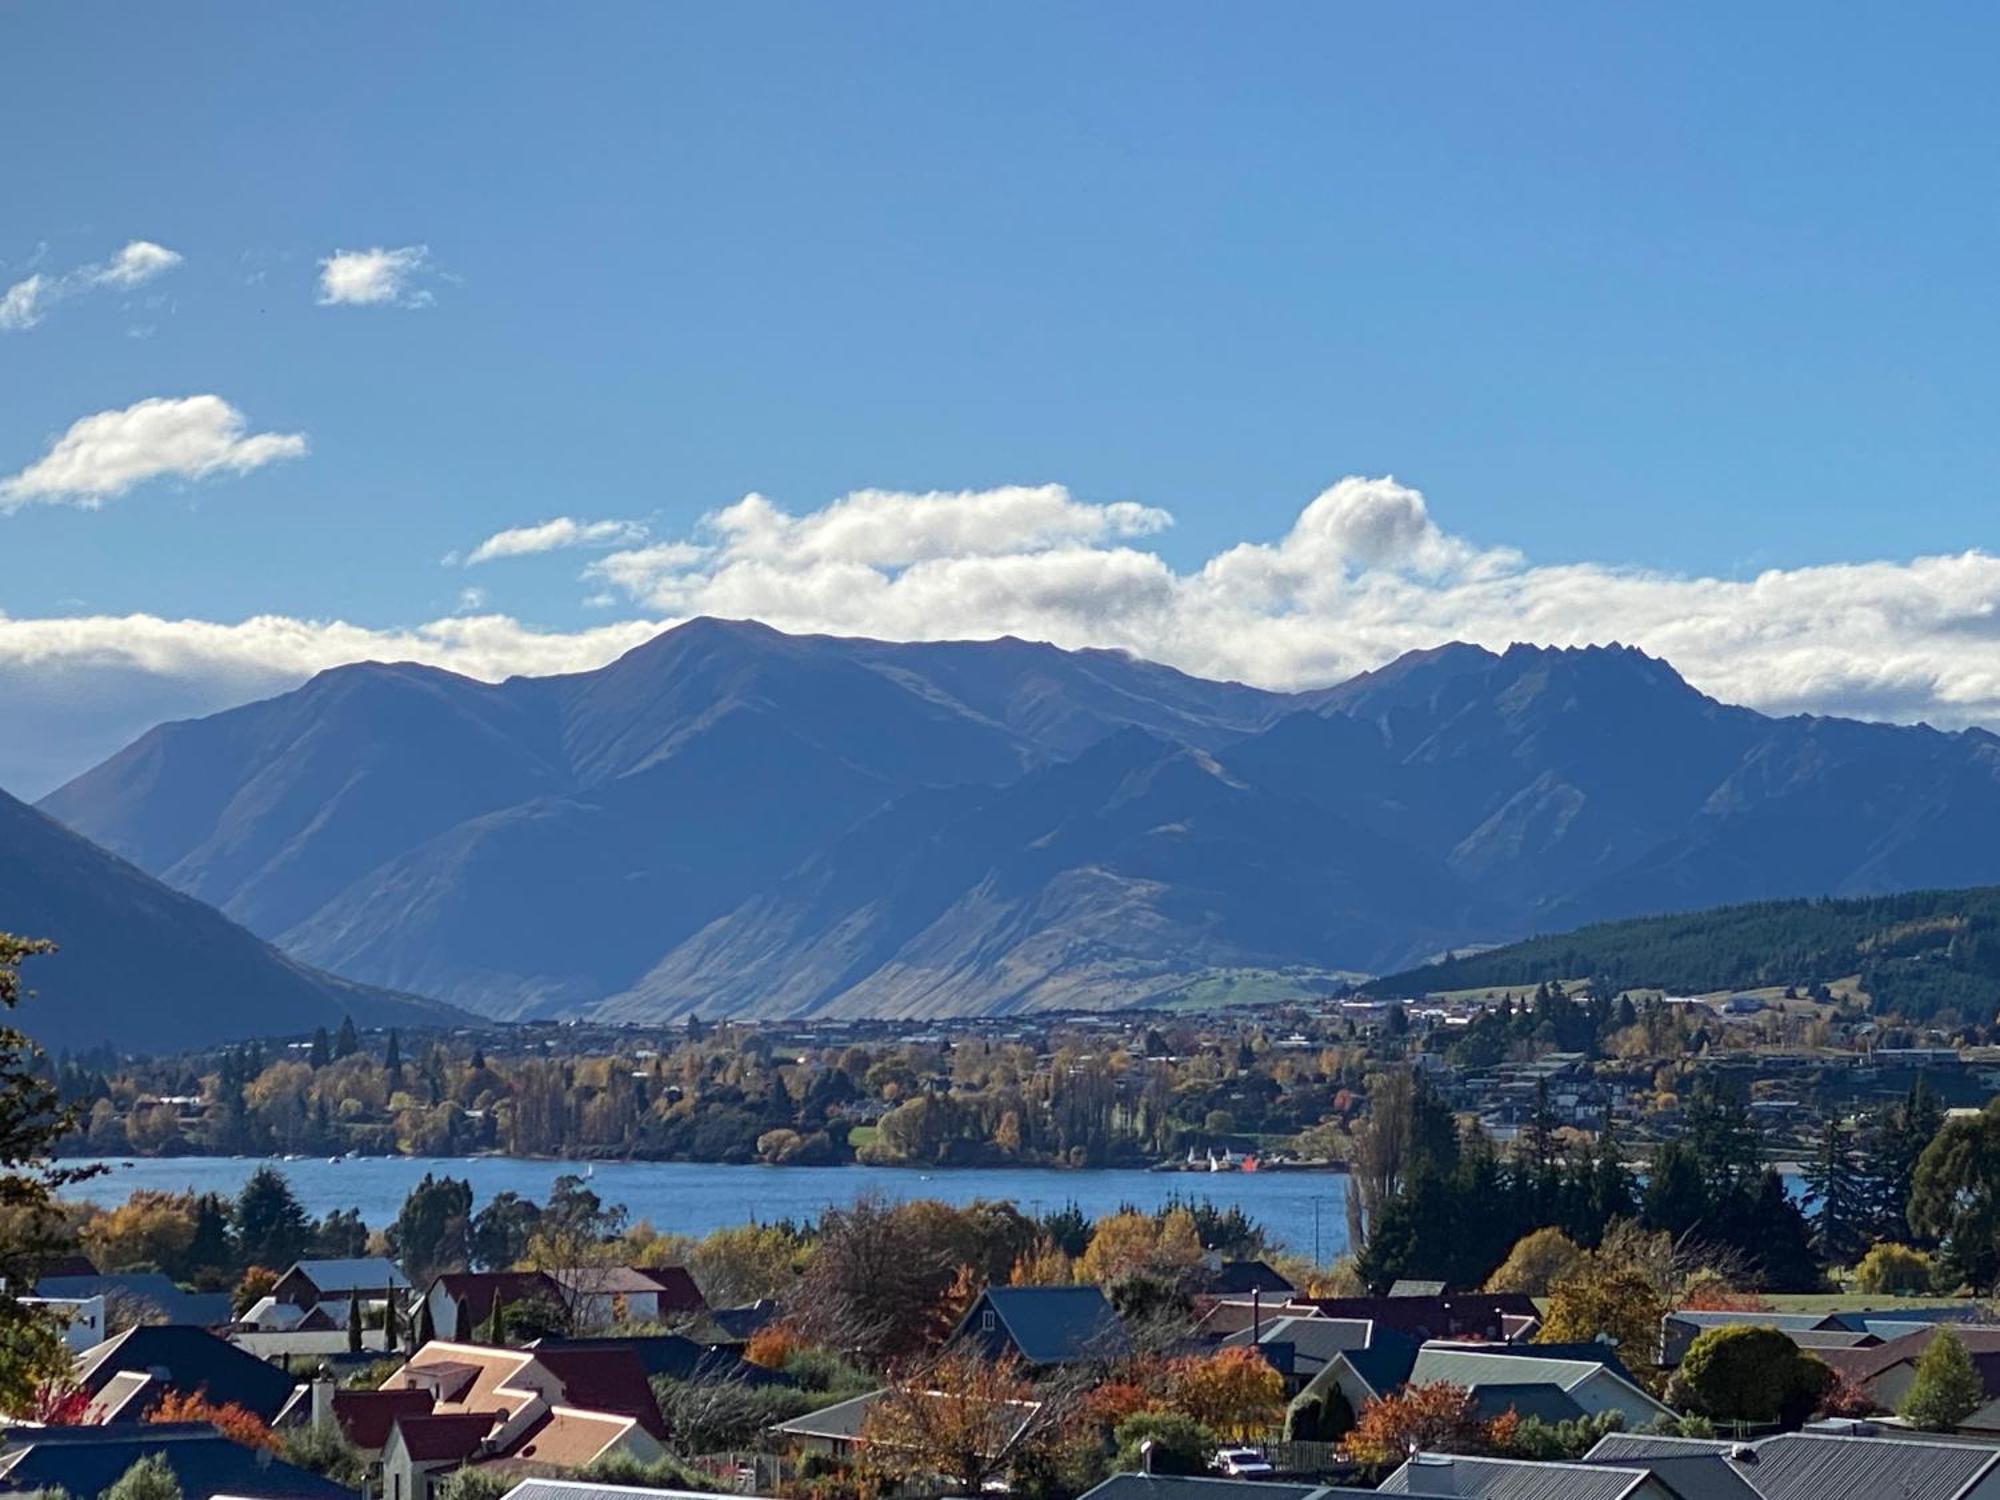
(83, 1462)
(125, 1376)
(1044, 1326)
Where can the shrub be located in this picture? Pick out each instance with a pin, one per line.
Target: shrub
(149, 1479)
(1889, 1269)
(1743, 1373)
(1181, 1445)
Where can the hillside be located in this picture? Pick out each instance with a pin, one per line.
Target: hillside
(1917, 953)
(144, 968)
(732, 819)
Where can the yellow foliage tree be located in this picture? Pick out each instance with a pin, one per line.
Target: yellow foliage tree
(1233, 1391)
(1135, 1244)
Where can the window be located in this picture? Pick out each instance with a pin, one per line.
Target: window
(986, 1321)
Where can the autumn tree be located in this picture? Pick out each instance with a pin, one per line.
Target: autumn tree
(237, 1423)
(1538, 1260)
(872, 1283)
(1234, 1391)
(957, 1415)
(1434, 1418)
(1601, 1297)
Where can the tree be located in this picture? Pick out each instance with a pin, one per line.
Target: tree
(1955, 1196)
(151, 1478)
(237, 1423)
(502, 1229)
(254, 1287)
(347, 1041)
(33, 1118)
(1434, 1418)
(1162, 1442)
(1947, 1388)
(272, 1229)
(1835, 1194)
(1893, 1270)
(1605, 1297)
(1234, 1391)
(353, 1324)
(872, 1281)
(433, 1231)
(1742, 1373)
(1130, 1243)
(1537, 1261)
(958, 1415)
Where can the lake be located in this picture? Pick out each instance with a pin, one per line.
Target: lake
(1298, 1210)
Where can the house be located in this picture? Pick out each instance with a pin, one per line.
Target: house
(125, 1376)
(585, 1489)
(836, 1431)
(1494, 1316)
(461, 1302)
(1440, 1474)
(1240, 1278)
(140, 1296)
(1300, 1348)
(678, 1358)
(1823, 1465)
(1045, 1326)
(1180, 1487)
(82, 1319)
(1861, 1325)
(371, 1278)
(738, 1324)
(83, 1462)
(598, 1296)
(560, 1408)
(1888, 1370)
(1588, 1376)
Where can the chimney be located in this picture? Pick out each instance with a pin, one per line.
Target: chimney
(322, 1399)
(1256, 1316)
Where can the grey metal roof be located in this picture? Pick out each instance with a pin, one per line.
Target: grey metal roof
(1548, 1403)
(1510, 1479)
(1463, 1367)
(1822, 1466)
(1179, 1487)
(1056, 1324)
(1703, 1476)
(840, 1422)
(1314, 1341)
(584, 1489)
(1813, 1466)
(359, 1273)
(85, 1461)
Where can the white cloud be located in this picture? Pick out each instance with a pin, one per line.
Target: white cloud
(27, 302)
(137, 263)
(1363, 574)
(22, 304)
(106, 454)
(374, 278)
(552, 536)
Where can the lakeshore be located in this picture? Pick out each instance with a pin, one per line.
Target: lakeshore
(1295, 1208)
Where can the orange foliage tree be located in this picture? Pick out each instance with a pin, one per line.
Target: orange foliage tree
(1434, 1418)
(1233, 1391)
(957, 1415)
(237, 1423)
(773, 1344)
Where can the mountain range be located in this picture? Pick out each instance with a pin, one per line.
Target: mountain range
(149, 969)
(730, 820)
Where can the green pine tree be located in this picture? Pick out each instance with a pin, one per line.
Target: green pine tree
(1947, 1388)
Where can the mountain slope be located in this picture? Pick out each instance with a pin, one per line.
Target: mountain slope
(1101, 881)
(732, 818)
(1917, 953)
(144, 968)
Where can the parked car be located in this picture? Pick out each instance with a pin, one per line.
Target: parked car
(1241, 1463)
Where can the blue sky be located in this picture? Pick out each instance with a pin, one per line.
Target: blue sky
(1664, 297)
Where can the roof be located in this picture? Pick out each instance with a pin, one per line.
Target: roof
(365, 1417)
(678, 1358)
(1179, 1487)
(585, 1489)
(1385, 1364)
(1459, 1365)
(740, 1322)
(568, 1438)
(466, 1377)
(362, 1273)
(1548, 1403)
(1510, 1479)
(840, 1422)
(1703, 1476)
(604, 1379)
(1455, 1315)
(477, 1289)
(1592, 1353)
(1864, 1365)
(195, 1309)
(1405, 1287)
(445, 1437)
(1239, 1278)
(642, 1281)
(1313, 1341)
(1820, 1466)
(85, 1461)
(188, 1360)
(1054, 1325)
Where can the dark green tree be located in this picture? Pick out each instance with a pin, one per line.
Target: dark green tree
(271, 1227)
(347, 1042)
(433, 1230)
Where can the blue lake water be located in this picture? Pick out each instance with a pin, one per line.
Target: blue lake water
(1297, 1209)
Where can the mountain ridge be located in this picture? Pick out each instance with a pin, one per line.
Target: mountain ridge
(627, 841)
